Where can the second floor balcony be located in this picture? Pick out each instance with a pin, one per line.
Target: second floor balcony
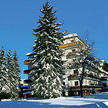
(27, 71)
(27, 62)
(27, 81)
(72, 76)
(71, 44)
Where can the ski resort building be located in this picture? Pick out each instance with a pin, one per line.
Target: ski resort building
(95, 76)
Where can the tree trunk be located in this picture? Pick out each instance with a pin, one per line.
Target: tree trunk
(81, 89)
(81, 81)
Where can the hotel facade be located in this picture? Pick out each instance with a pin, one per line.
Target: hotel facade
(95, 77)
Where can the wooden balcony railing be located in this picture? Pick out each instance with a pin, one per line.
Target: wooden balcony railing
(26, 90)
(71, 44)
(28, 61)
(72, 76)
(92, 76)
(86, 87)
(72, 53)
(78, 87)
(27, 81)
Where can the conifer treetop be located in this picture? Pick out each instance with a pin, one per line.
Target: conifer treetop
(15, 56)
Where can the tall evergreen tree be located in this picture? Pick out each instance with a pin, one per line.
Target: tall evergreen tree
(3, 73)
(12, 76)
(47, 66)
(17, 71)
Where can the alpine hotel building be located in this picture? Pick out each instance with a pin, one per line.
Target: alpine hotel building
(95, 77)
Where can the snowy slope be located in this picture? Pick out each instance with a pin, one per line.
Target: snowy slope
(92, 101)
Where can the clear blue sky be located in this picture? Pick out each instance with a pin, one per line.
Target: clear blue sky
(19, 17)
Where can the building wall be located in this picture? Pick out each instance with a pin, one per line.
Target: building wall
(72, 46)
(74, 81)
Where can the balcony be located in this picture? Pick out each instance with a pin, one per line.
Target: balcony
(72, 76)
(73, 53)
(105, 66)
(27, 81)
(27, 62)
(78, 87)
(71, 44)
(30, 54)
(93, 76)
(75, 76)
(87, 87)
(104, 78)
(27, 71)
(26, 90)
(24, 86)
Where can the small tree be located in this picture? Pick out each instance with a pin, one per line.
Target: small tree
(47, 68)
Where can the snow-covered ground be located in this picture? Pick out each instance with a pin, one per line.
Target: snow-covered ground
(93, 101)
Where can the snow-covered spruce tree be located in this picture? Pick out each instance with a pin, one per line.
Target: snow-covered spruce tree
(17, 72)
(47, 67)
(12, 77)
(3, 74)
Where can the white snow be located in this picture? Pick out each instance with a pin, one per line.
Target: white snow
(99, 100)
(28, 54)
(70, 35)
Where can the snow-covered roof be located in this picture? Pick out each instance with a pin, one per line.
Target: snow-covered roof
(70, 35)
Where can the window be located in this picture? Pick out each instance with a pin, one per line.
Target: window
(64, 83)
(104, 85)
(72, 40)
(76, 72)
(73, 50)
(76, 83)
(68, 56)
(74, 59)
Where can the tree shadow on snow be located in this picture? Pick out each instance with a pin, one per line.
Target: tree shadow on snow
(25, 104)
